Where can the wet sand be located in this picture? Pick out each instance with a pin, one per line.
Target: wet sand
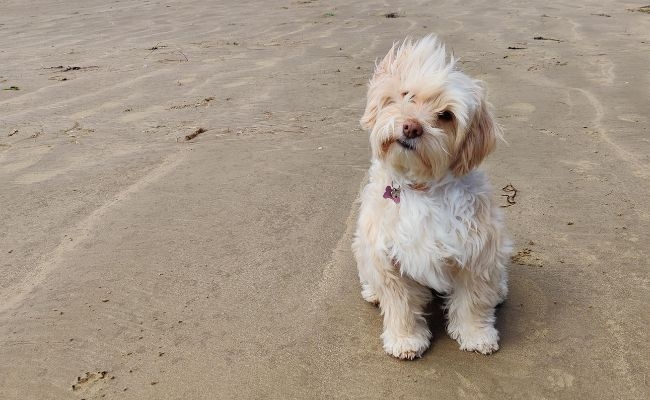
(138, 263)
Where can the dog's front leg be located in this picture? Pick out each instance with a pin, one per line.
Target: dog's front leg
(471, 307)
(402, 301)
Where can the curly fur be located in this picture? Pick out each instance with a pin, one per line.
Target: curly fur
(445, 233)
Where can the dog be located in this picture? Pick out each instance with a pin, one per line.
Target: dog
(427, 219)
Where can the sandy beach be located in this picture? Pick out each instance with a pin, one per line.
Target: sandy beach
(178, 184)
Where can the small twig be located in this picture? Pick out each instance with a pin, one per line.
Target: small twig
(516, 48)
(159, 46)
(545, 38)
(186, 59)
(195, 134)
(154, 48)
(72, 68)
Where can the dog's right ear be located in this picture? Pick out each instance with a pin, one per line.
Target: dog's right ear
(382, 69)
(370, 114)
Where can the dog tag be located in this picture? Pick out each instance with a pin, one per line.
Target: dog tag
(392, 193)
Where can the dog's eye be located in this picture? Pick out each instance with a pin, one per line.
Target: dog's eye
(445, 116)
(410, 97)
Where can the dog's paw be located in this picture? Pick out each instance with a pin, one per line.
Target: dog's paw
(484, 341)
(406, 347)
(369, 294)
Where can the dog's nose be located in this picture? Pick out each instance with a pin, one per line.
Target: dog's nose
(411, 128)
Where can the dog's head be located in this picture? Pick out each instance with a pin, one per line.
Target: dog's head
(426, 117)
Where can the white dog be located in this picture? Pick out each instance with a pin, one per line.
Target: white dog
(427, 219)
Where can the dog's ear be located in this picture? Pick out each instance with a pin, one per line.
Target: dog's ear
(370, 114)
(479, 141)
(382, 69)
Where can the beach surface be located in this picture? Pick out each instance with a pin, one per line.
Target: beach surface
(178, 183)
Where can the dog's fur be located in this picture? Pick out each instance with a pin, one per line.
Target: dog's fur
(445, 233)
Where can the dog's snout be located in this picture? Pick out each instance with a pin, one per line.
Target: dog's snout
(412, 128)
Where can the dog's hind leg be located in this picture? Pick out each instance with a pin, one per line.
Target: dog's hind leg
(366, 269)
(369, 294)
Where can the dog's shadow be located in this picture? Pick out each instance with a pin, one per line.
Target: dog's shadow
(436, 316)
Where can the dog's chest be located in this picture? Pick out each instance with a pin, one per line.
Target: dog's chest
(422, 239)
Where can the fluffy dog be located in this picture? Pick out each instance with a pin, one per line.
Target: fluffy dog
(427, 219)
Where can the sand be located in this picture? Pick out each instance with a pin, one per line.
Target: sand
(138, 264)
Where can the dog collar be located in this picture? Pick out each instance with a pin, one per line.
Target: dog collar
(393, 193)
(420, 187)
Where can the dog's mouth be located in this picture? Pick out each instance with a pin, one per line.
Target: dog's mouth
(408, 144)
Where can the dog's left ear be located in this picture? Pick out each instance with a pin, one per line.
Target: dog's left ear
(479, 141)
